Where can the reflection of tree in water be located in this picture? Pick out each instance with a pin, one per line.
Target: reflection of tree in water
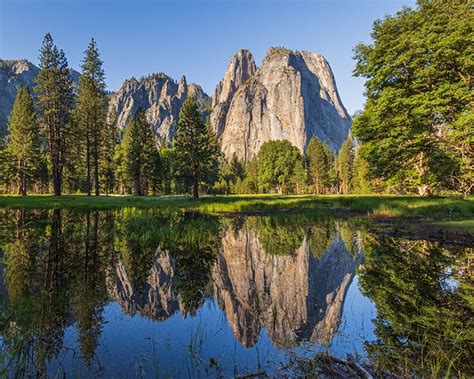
(278, 235)
(423, 294)
(52, 272)
(185, 243)
(90, 294)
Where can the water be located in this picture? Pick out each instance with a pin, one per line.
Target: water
(131, 293)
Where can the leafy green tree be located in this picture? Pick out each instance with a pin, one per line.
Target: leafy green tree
(280, 165)
(197, 149)
(346, 163)
(141, 153)
(319, 164)
(91, 113)
(24, 139)
(54, 94)
(417, 121)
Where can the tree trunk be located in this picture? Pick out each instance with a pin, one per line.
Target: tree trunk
(88, 164)
(23, 184)
(96, 169)
(424, 189)
(56, 178)
(196, 189)
(137, 185)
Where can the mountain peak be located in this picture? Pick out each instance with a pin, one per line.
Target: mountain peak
(292, 96)
(241, 67)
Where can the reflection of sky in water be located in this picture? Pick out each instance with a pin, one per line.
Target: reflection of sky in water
(277, 288)
(448, 282)
(181, 346)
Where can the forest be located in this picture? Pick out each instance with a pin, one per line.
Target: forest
(414, 135)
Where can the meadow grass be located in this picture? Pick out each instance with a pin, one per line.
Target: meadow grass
(441, 208)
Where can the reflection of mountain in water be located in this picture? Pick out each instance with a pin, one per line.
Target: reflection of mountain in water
(158, 300)
(294, 297)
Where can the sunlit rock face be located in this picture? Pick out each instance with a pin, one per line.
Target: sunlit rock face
(15, 73)
(294, 297)
(157, 300)
(161, 98)
(241, 68)
(291, 96)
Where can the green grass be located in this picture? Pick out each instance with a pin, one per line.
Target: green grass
(438, 209)
(467, 225)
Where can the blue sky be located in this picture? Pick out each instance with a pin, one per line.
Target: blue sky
(195, 38)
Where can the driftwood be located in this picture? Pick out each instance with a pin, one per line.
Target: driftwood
(350, 363)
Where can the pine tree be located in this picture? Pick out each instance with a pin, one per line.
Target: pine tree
(54, 93)
(110, 142)
(319, 165)
(346, 162)
(7, 167)
(196, 148)
(236, 168)
(91, 112)
(360, 182)
(141, 153)
(23, 140)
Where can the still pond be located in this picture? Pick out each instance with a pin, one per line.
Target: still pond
(138, 293)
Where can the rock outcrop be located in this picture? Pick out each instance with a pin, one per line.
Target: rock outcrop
(296, 297)
(291, 96)
(15, 73)
(158, 300)
(161, 98)
(241, 68)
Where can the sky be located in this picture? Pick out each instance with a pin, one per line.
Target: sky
(195, 38)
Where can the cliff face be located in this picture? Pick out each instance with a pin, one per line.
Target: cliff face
(291, 96)
(15, 73)
(296, 297)
(240, 69)
(158, 300)
(161, 98)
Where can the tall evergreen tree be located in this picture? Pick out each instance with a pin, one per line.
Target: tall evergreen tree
(110, 141)
(196, 148)
(319, 162)
(54, 93)
(7, 167)
(360, 182)
(23, 140)
(346, 163)
(141, 153)
(91, 112)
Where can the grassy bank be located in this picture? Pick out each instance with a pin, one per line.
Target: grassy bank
(433, 208)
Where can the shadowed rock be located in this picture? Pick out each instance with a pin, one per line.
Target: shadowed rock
(161, 98)
(158, 300)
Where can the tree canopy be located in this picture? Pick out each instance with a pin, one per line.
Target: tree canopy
(417, 124)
